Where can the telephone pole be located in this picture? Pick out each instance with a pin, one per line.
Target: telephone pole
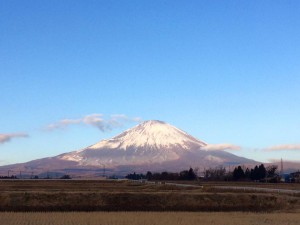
(281, 167)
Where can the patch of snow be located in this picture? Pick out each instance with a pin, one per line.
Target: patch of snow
(72, 157)
(213, 158)
(150, 133)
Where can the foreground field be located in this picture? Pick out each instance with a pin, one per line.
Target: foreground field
(149, 218)
(106, 195)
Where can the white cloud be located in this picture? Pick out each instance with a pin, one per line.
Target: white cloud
(221, 147)
(284, 147)
(95, 120)
(62, 124)
(7, 137)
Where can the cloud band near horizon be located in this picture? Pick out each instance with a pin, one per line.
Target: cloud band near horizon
(284, 147)
(221, 147)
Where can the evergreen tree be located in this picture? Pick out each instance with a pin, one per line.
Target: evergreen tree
(262, 172)
(247, 173)
(254, 173)
(258, 173)
(238, 173)
(191, 174)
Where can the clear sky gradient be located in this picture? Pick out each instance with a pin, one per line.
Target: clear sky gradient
(223, 71)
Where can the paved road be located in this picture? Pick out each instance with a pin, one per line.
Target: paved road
(286, 191)
(184, 185)
(167, 183)
(271, 190)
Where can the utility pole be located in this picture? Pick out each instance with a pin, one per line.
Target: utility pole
(281, 167)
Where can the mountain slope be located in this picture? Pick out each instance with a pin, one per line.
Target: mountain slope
(152, 145)
(149, 142)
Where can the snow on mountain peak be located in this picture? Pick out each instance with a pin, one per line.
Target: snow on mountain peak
(152, 142)
(149, 142)
(152, 133)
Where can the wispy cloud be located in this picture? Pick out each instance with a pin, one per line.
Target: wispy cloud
(62, 124)
(221, 147)
(7, 137)
(284, 147)
(95, 120)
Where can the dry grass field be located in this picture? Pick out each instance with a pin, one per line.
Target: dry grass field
(289, 186)
(104, 195)
(148, 218)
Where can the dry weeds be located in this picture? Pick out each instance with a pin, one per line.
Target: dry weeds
(148, 218)
(74, 195)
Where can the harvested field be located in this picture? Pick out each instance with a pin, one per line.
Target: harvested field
(149, 218)
(104, 195)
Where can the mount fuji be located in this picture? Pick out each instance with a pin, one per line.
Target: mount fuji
(152, 145)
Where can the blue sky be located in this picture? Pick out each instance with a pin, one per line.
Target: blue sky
(224, 71)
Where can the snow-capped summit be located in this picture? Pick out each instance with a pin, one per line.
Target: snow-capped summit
(153, 134)
(149, 142)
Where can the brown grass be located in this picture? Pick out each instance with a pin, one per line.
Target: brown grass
(74, 195)
(149, 218)
(289, 186)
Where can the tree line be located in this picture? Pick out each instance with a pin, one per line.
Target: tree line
(183, 175)
(239, 173)
(8, 177)
(258, 173)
